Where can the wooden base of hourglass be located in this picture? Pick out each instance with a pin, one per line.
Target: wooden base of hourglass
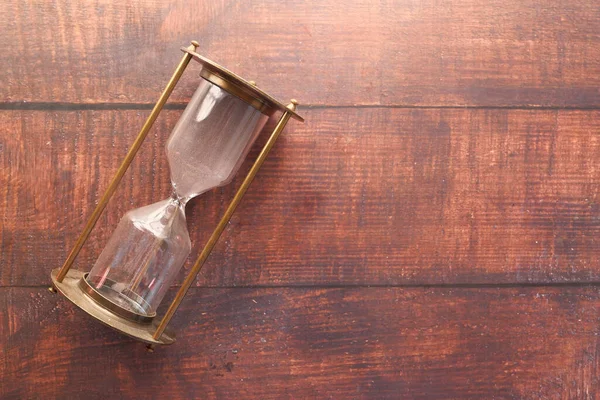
(75, 288)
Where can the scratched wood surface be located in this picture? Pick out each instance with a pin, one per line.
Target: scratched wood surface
(354, 196)
(430, 232)
(457, 52)
(285, 343)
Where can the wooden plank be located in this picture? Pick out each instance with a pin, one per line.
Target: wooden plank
(494, 53)
(288, 343)
(354, 196)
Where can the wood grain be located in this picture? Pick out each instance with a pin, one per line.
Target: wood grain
(528, 343)
(353, 197)
(389, 183)
(363, 52)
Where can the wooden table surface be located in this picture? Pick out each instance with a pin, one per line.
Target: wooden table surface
(432, 230)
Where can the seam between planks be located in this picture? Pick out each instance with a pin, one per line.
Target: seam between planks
(384, 286)
(64, 106)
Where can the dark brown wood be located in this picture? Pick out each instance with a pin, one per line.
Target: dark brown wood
(354, 196)
(389, 183)
(527, 343)
(473, 52)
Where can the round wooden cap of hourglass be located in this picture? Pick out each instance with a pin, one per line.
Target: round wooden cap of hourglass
(238, 86)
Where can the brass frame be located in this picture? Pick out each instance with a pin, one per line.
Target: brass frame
(72, 283)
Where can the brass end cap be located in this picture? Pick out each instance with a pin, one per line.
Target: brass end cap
(195, 43)
(52, 289)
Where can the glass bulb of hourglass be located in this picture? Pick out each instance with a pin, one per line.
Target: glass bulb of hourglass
(150, 244)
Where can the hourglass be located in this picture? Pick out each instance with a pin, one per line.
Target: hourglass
(150, 244)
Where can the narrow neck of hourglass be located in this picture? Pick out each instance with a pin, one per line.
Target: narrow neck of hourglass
(178, 200)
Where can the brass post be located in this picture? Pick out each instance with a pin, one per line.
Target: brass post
(191, 277)
(125, 164)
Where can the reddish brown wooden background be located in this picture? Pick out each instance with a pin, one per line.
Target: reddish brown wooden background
(431, 231)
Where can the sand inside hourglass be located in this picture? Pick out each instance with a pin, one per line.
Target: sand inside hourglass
(209, 178)
(210, 140)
